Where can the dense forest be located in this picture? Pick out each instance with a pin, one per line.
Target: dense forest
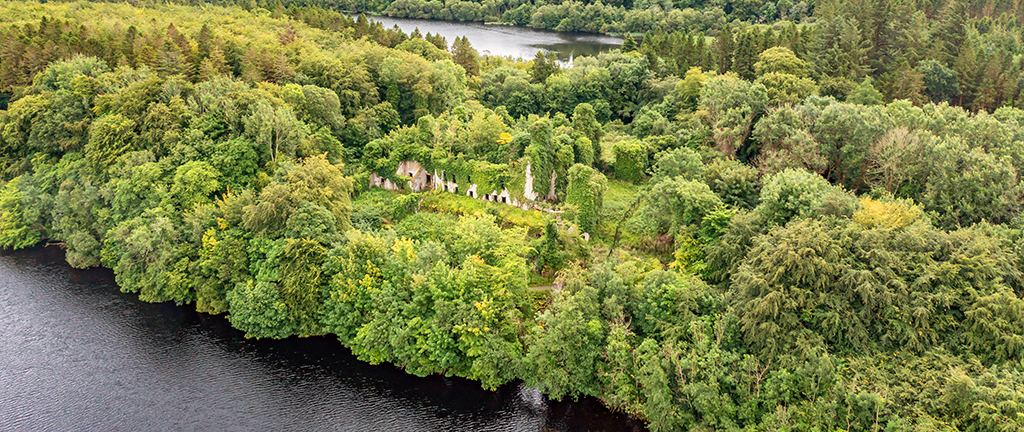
(761, 216)
(629, 16)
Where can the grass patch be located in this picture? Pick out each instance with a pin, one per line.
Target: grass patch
(537, 280)
(375, 208)
(617, 201)
(508, 216)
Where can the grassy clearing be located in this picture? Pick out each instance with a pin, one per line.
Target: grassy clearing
(617, 201)
(537, 280)
(507, 216)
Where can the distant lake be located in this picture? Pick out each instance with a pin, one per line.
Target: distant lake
(511, 41)
(76, 354)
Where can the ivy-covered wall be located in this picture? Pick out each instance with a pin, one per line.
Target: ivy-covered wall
(586, 193)
(631, 160)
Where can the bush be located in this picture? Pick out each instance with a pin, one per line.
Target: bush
(790, 194)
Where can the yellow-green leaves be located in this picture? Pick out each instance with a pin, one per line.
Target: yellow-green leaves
(886, 214)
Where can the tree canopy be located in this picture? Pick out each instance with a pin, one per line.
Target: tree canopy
(758, 216)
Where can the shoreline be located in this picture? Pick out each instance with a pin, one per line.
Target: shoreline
(55, 253)
(371, 15)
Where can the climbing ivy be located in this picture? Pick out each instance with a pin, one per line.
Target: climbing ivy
(631, 160)
(586, 192)
(541, 156)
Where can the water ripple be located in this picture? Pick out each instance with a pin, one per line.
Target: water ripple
(76, 354)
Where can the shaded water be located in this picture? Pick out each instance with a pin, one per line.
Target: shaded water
(77, 354)
(513, 41)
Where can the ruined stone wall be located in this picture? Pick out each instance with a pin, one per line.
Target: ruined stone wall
(421, 180)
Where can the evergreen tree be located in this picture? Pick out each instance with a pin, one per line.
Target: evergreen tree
(724, 47)
(865, 94)
(544, 65)
(463, 54)
(628, 44)
(952, 30)
(748, 46)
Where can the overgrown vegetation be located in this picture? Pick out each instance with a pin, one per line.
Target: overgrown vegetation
(792, 226)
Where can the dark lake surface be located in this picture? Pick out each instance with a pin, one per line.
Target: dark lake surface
(511, 41)
(77, 354)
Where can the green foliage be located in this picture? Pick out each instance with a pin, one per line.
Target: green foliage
(110, 137)
(689, 89)
(865, 94)
(969, 185)
(257, 309)
(550, 258)
(731, 104)
(584, 121)
(846, 133)
(300, 282)
(785, 142)
(315, 181)
(629, 44)
(83, 250)
(223, 264)
(544, 65)
(586, 192)
(16, 232)
(356, 269)
(148, 257)
(784, 76)
(423, 49)
(780, 60)
(941, 83)
(533, 221)
(786, 88)
(274, 131)
(237, 161)
(565, 347)
(542, 154)
(312, 222)
(459, 316)
(194, 182)
(680, 162)
(63, 74)
(463, 54)
(584, 150)
(201, 161)
(631, 160)
(737, 184)
(792, 194)
(876, 297)
(682, 201)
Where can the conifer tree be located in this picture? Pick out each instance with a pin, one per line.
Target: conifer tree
(544, 65)
(748, 46)
(629, 44)
(724, 48)
(463, 54)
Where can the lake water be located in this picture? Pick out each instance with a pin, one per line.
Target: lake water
(511, 41)
(77, 354)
